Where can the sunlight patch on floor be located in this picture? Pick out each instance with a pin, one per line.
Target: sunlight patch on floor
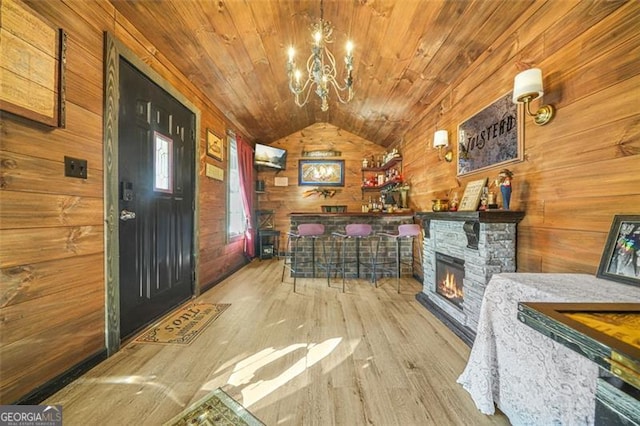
(244, 372)
(135, 380)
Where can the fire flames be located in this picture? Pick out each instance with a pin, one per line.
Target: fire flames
(449, 288)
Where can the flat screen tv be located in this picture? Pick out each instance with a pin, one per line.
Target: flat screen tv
(269, 156)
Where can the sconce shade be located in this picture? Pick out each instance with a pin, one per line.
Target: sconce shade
(527, 84)
(440, 138)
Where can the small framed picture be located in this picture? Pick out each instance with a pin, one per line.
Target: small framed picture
(620, 259)
(472, 193)
(215, 147)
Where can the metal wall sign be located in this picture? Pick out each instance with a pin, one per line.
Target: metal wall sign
(491, 137)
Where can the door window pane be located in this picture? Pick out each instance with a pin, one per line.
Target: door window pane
(163, 163)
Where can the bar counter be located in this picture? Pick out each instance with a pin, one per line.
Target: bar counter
(331, 247)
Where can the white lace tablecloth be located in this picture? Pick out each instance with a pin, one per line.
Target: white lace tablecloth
(530, 377)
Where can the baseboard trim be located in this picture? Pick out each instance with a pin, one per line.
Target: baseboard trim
(212, 284)
(464, 333)
(41, 393)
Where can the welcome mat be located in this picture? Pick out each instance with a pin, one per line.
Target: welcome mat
(216, 408)
(184, 325)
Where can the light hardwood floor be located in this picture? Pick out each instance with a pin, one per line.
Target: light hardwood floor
(317, 357)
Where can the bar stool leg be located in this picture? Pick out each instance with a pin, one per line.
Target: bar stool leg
(328, 262)
(398, 263)
(344, 265)
(295, 262)
(284, 263)
(313, 255)
(375, 267)
(357, 257)
(372, 263)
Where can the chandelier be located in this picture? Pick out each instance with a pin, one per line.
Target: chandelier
(321, 68)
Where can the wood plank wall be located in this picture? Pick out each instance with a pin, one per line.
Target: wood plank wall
(579, 170)
(317, 137)
(51, 226)
(583, 167)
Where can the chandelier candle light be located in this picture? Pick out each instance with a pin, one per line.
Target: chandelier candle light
(321, 68)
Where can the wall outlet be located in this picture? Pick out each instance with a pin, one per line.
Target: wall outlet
(74, 167)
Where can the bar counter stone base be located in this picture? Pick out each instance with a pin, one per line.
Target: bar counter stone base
(332, 249)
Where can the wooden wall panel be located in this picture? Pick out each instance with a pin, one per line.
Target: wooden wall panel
(20, 137)
(52, 278)
(579, 170)
(30, 282)
(63, 346)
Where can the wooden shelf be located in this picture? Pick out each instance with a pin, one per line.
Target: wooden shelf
(380, 187)
(385, 166)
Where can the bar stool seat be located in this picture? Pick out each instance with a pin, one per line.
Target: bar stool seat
(406, 231)
(355, 231)
(293, 250)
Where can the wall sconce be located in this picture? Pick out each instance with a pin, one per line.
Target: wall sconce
(441, 141)
(527, 86)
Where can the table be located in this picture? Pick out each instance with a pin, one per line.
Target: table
(532, 379)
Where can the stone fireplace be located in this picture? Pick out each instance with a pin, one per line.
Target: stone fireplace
(461, 252)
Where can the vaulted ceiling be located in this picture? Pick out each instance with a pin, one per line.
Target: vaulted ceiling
(408, 55)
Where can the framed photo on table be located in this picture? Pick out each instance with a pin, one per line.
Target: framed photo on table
(620, 259)
(472, 193)
(215, 147)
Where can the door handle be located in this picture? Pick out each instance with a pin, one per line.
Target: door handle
(127, 215)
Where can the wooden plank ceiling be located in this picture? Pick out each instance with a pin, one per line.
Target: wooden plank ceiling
(408, 55)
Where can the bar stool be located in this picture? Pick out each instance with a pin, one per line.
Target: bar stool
(407, 231)
(311, 231)
(356, 231)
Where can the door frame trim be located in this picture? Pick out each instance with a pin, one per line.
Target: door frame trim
(113, 51)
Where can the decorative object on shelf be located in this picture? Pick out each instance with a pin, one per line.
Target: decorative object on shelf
(620, 259)
(387, 177)
(471, 196)
(215, 147)
(321, 153)
(491, 137)
(403, 189)
(321, 68)
(260, 186)
(504, 182)
(321, 172)
(440, 142)
(317, 191)
(455, 201)
(527, 86)
(440, 205)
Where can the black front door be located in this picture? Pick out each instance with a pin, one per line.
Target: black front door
(156, 145)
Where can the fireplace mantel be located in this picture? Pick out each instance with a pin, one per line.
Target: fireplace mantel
(484, 216)
(485, 240)
(472, 221)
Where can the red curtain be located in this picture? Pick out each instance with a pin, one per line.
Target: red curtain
(245, 166)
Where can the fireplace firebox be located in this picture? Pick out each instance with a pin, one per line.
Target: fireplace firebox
(449, 278)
